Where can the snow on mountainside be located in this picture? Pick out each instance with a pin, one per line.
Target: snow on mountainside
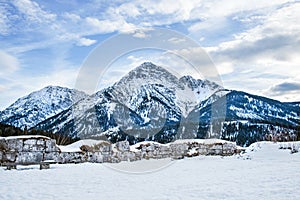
(186, 91)
(246, 118)
(80, 120)
(243, 106)
(295, 104)
(253, 107)
(155, 101)
(149, 94)
(40, 105)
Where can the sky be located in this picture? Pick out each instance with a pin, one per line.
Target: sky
(254, 45)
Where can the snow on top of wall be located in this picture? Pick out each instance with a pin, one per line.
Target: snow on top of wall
(75, 147)
(137, 145)
(202, 141)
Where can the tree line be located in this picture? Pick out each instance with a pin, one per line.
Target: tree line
(8, 130)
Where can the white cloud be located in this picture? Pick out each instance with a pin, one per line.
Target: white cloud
(177, 40)
(8, 63)
(74, 17)
(225, 68)
(33, 12)
(152, 13)
(86, 42)
(2, 88)
(4, 26)
(201, 61)
(268, 51)
(108, 26)
(213, 13)
(140, 34)
(181, 9)
(128, 9)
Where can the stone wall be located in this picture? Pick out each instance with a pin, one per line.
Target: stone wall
(186, 148)
(122, 151)
(34, 149)
(27, 149)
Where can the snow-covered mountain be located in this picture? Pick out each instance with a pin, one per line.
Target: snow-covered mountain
(150, 103)
(38, 106)
(147, 98)
(246, 118)
(244, 106)
(186, 91)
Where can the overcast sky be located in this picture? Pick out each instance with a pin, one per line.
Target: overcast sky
(255, 45)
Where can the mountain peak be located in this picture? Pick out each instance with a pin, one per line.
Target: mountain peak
(55, 87)
(150, 67)
(147, 64)
(40, 105)
(194, 83)
(148, 73)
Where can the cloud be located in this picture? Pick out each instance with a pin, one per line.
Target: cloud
(35, 27)
(200, 60)
(177, 40)
(286, 87)
(8, 63)
(129, 10)
(86, 42)
(214, 13)
(276, 47)
(140, 34)
(122, 17)
(2, 88)
(288, 91)
(153, 13)
(4, 25)
(176, 62)
(276, 36)
(225, 68)
(108, 26)
(267, 50)
(72, 16)
(33, 12)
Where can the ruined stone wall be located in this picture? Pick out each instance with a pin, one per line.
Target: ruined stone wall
(121, 151)
(34, 149)
(27, 149)
(186, 148)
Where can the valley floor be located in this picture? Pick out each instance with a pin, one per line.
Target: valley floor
(264, 172)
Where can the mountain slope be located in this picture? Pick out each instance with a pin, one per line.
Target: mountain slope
(147, 103)
(244, 106)
(246, 118)
(38, 106)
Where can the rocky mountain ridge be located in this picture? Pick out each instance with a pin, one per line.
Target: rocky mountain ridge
(150, 103)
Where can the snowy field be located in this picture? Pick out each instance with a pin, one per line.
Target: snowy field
(264, 172)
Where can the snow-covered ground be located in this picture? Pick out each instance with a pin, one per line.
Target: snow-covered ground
(264, 172)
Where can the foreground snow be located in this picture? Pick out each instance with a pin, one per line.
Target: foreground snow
(264, 172)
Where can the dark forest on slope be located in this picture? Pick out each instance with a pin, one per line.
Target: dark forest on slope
(8, 130)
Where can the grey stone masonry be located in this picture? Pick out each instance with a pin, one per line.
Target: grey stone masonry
(29, 149)
(25, 150)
